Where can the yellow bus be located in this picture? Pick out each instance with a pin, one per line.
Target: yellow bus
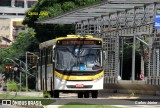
(71, 64)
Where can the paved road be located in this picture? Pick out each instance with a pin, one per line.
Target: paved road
(33, 94)
(7, 106)
(114, 99)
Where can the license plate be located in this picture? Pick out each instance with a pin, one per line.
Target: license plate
(79, 85)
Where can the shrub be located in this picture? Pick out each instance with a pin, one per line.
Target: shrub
(12, 86)
(23, 88)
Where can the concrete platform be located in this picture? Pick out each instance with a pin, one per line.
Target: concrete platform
(127, 86)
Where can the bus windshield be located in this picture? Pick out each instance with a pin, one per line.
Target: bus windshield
(78, 59)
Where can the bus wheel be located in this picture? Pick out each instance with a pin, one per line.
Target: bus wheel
(80, 94)
(94, 94)
(86, 94)
(56, 94)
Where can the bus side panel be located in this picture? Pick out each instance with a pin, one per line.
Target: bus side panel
(43, 77)
(53, 75)
(40, 71)
(49, 77)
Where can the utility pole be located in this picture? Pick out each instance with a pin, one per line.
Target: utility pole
(133, 57)
(20, 79)
(16, 69)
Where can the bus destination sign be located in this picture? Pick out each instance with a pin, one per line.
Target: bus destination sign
(79, 42)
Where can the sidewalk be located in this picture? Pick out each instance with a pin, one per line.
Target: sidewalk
(33, 94)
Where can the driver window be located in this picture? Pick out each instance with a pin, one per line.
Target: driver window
(90, 61)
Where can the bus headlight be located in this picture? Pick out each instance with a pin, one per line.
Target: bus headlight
(99, 78)
(60, 79)
(57, 77)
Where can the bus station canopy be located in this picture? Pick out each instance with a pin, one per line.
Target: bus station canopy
(98, 10)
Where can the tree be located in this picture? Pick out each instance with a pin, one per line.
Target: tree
(53, 8)
(22, 43)
(127, 59)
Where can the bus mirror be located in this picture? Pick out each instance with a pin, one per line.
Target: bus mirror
(53, 53)
(105, 54)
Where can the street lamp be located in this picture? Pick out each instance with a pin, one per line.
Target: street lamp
(27, 67)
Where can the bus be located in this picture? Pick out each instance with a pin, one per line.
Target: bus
(71, 64)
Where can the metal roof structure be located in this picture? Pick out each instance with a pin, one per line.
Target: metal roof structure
(102, 9)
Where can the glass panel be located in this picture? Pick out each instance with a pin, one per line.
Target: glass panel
(78, 59)
(5, 3)
(30, 3)
(19, 4)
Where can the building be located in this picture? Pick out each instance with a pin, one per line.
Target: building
(12, 13)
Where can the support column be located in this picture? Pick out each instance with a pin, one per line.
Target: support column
(133, 58)
(134, 45)
(150, 68)
(154, 40)
(142, 67)
(25, 4)
(117, 61)
(157, 53)
(122, 42)
(13, 3)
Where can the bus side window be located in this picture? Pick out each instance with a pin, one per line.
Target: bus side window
(40, 59)
(43, 56)
(49, 55)
(53, 53)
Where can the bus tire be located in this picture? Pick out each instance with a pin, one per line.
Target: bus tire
(86, 94)
(80, 94)
(56, 94)
(94, 94)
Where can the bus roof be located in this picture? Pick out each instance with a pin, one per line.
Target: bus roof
(78, 36)
(47, 43)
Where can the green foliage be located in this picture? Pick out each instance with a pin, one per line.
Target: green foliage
(23, 42)
(24, 88)
(52, 11)
(2, 68)
(127, 59)
(53, 8)
(85, 105)
(46, 94)
(0, 39)
(12, 86)
(67, 6)
(85, 2)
